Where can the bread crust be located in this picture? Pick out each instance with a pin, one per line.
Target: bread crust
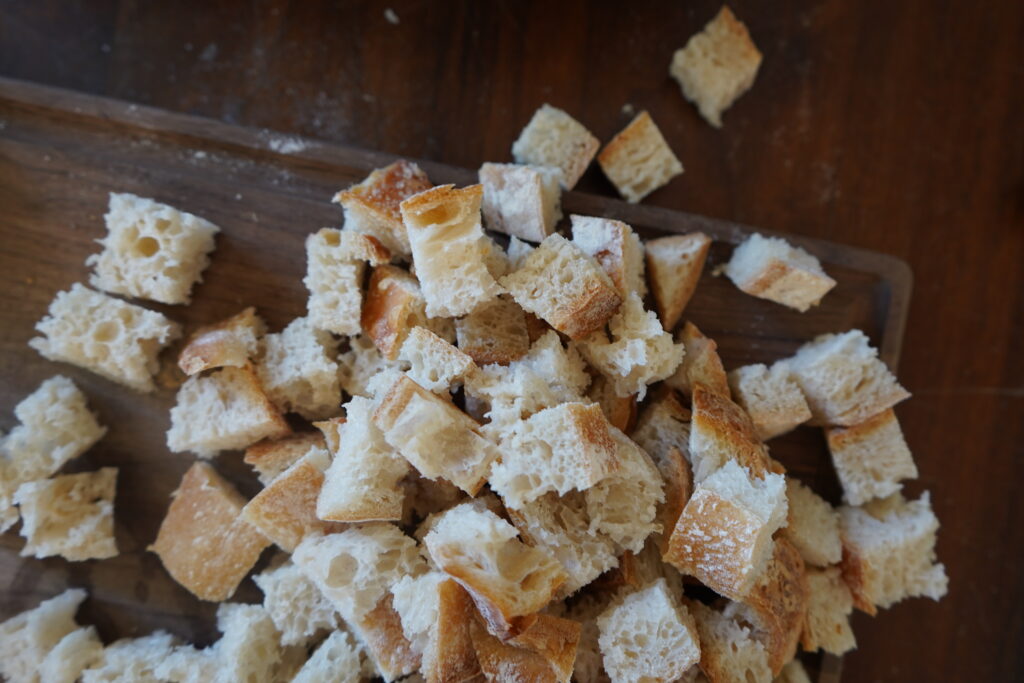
(392, 306)
(553, 638)
(730, 426)
(382, 635)
(219, 344)
(672, 289)
(271, 457)
(779, 599)
(701, 363)
(450, 656)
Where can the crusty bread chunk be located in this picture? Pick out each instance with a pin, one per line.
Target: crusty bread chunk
(729, 651)
(721, 431)
(813, 525)
(416, 599)
(151, 251)
(298, 371)
(521, 201)
(203, 542)
(434, 364)
(544, 651)
(615, 246)
(771, 398)
(771, 268)
(563, 285)
(372, 206)
(75, 652)
(495, 332)
(450, 249)
(71, 515)
(336, 660)
(620, 410)
(361, 483)
(297, 607)
(505, 577)
(390, 652)
(871, 458)
(558, 449)
(701, 363)
(674, 266)
(26, 638)
(271, 457)
(717, 65)
(843, 379)
(553, 138)
(114, 339)
(335, 266)
(724, 535)
(663, 425)
(827, 625)
(638, 160)
(648, 636)
(436, 437)
(394, 305)
(362, 368)
(889, 552)
(793, 672)
(231, 342)
(131, 659)
(223, 411)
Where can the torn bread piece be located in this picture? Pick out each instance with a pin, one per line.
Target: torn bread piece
(362, 368)
(336, 660)
(827, 624)
(298, 371)
(271, 457)
(203, 542)
(663, 425)
(26, 638)
(553, 638)
(771, 398)
(871, 458)
(114, 339)
(131, 659)
(297, 607)
(71, 515)
(437, 617)
(615, 246)
(638, 160)
(553, 138)
(619, 410)
(372, 206)
(521, 201)
(394, 305)
(495, 332)
(721, 431)
(380, 632)
(434, 364)
(151, 250)
(74, 653)
(250, 648)
(701, 363)
(674, 266)
(813, 525)
(230, 342)
(335, 265)
(728, 650)
(771, 268)
(717, 65)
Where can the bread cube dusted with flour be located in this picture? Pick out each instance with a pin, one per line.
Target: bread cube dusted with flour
(771, 268)
(771, 397)
(27, 638)
(638, 160)
(615, 246)
(229, 343)
(674, 266)
(114, 339)
(521, 201)
(298, 370)
(553, 138)
(871, 458)
(335, 264)
(151, 251)
(435, 364)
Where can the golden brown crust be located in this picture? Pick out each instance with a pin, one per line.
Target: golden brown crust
(637, 129)
(779, 599)
(439, 205)
(381, 630)
(700, 364)
(270, 457)
(391, 308)
(841, 438)
(620, 410)
(495, 333)
(678, 489)
(671, 295)
(625, 573)
(854, 568)
(216, 345)
(553, 638)
(383, 191)
(588, 312)
(451, 657)
(502, 662)
(731, 427)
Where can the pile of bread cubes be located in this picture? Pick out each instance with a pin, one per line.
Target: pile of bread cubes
(515, 471)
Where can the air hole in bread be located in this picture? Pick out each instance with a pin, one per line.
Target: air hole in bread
(343, 568)
(438, 215)
(106, 331)
(146, 247)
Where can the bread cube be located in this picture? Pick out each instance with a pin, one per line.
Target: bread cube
(553, 138)
(380, 631)
(545, 651)
(827, 625)
(296, 606)
(73, 654)
(250, 649)
(394, 305)
(721, 432)
(434, 364)
(335, 265)
(717, 65)
(771, 268)
(494, 333)
(114, 339)
(728, 649)
(131, 659)
(616, 248)
(372, 206)
(620, 410)
(231, 342)
(771, 398)
(271, 457)
(813, 525)
(203, 542)
(638, 160)
(336, 660)
(871, 458)
(701, 364)
(663, 425)
(362, 368)
(298, 371)
(674, 266)
(151, 251)
(522, 201)
(26, 638)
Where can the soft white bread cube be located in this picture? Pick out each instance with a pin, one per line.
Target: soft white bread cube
(114, 339)
(394, 305)
(26, 638)
(362, 482)
(638, 160)
(372, 206)
(416, 599)
(297, 607)
(771, 268)
(564, 286)
(724, 535)
(449, 249)
(223, 411)
(638, 352)
(620, 410)
(553, 138)
(391, 655)
(827, 625)
(250, 647)
(434, 364)
(203, 542)
(793, 672)
(648, 636)
(843, 379)
(71, 515)
(813, 525)
(505, 577)
(298, 371)
(436, 437)
(871, 458)
(701, 363)
(271, 457)
(362, 366)
(674, 266)
(558, 449)
(729, 651)
(495, 332)
(231, 342)
(74, 653)
(720, 432)
(151, 251)
(889, 553)
(131, 659)
(336, 660)
(521, 201)
(335, 266)
(615, 246)
(771, 397)
(717, 65)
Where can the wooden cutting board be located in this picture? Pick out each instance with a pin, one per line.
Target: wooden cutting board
(61, 153)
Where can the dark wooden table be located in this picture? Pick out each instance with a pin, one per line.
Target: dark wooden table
(897, 127)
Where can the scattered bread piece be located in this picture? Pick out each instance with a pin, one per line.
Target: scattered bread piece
(674, 266)
(638, 160)
(271, 457)
(296, 606)
(678, 476)
(620, 410)
(26, 638)
(871, 458)
(717, 65)
(151, 251)
(720, 431)
(250, 649)
(813, 525)
(771, 398)
(663, 425)
(362, 368)
(827, 625)
(700, 364)
(74, 653)
(336, 660)
(335, 266)
(416, 600)
(553, 638)
(231, 342)
(495, 332)
(434, 364)
(298, 371)
(521, 201)
(380, 631)
(553, 138)
(771, 268)
(131, 659)
(500, 660)
(615, 246)
(728, 650)
(394, 305)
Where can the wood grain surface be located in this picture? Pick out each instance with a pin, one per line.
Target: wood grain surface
(890, 126)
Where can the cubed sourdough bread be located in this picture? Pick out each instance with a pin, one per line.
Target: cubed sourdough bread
(335, 265)
(394, 305)
(771, 398)
(813, 525)
(151, 251)
(229, 343)
(717, 65)
(871, 458)
(26, 638)
(372, 206)
(225, 410)
(390, 652)
(638, 160)
(114, 339)
(73, 654)
(620, 410)
(71, 515)
(336, 660)
(298, 370)
(362, 368)
(271, 457)
(771, 268)
(296, 606)
(434, 364)
(521, 201)
(495, 332)
(553, 138)
(565, 287)
(701, 363)
(203, 542)
(450, 249)
(674, 266)
(827, 625)
(720, 432)
(729, 651)
(615, 246)
(131, 659)
(843, 379)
